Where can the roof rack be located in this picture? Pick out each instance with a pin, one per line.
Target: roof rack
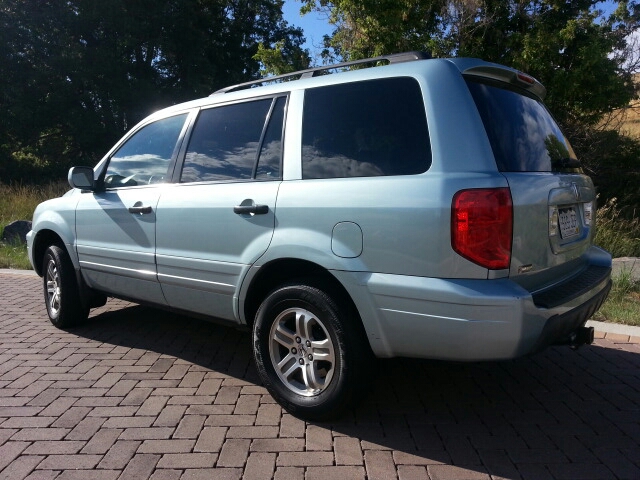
(312, 72)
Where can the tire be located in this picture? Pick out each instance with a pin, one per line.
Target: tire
(61, 292)
(311, 357)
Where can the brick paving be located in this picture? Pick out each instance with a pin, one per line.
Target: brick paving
(138, 393)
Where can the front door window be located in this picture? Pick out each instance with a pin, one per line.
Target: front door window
(145, 158)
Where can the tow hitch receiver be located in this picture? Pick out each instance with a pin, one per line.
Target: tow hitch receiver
(582, 336)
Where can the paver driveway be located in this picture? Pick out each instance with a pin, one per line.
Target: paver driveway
(139, 393)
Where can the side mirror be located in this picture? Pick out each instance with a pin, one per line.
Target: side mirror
(82, 178)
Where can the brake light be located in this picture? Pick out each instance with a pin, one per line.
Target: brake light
(524, 78)
(482, 226)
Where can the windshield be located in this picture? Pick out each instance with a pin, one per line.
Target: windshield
(523, 134)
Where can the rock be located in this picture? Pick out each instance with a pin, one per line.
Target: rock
(16, 231)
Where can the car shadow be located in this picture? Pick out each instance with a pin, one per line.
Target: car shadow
(558, 407)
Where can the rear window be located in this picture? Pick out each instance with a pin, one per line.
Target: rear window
(365, 129)
(523, 134)
(236, 142)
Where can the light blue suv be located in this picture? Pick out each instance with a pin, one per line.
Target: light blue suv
(426, 208)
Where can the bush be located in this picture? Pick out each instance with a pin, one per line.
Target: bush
(612, 160)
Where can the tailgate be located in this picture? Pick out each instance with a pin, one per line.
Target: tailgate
(553, 220)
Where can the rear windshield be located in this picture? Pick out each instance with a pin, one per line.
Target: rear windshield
(523, 134)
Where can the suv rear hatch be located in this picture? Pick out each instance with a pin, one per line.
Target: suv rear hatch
(553, 200)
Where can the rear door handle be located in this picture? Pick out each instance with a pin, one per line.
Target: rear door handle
(254, 209)
(141, 210)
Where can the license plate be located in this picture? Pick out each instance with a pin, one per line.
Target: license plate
(568, 220)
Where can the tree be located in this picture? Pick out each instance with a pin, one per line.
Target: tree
(77, 74)
(369, 28)
(281, 59)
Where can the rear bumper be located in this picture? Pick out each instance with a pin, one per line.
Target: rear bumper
(467, 320)
(573, 287)
(558, 328)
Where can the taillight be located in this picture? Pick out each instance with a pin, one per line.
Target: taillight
(482, 226)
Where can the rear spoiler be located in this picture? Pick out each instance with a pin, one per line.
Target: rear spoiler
(508, 75)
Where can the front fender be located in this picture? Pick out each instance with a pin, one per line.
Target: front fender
(53, 218)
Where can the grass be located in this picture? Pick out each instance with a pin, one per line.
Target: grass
(17, 202)
(631, 123)
(616, 232)
(623, 304)
(14, 255)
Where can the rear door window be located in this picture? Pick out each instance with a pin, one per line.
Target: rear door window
(365, 129)
(523, 134)
(236, 142)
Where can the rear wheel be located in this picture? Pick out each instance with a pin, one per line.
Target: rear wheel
(309, 353)
(61, 292)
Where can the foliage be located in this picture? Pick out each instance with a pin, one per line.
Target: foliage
(280, 59)
(617, 234)
(77, 74)
(369, 28)
(613, 162)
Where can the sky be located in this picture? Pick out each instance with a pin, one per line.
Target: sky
(315, 25)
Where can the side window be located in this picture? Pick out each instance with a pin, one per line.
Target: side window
(365, 129)
(145, 157)
(226, 142)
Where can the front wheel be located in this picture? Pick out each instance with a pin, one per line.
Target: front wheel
(309, 354)
(61, 292)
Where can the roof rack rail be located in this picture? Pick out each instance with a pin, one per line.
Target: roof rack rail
(312, 72)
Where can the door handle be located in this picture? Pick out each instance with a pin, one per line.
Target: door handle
(141, 210)
(253, 209)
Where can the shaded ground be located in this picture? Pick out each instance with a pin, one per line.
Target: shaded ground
(138, 393)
